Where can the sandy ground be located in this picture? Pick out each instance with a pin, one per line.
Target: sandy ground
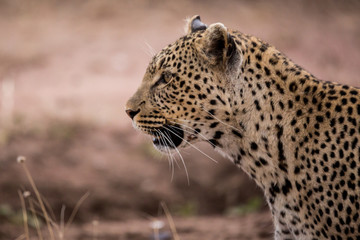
(66, 71)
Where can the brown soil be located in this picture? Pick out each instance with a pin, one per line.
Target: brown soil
(66, 71)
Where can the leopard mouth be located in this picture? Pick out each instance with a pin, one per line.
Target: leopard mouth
(170, 136)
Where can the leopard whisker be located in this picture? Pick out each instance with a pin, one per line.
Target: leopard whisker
(181, 157)
(150, 50)
(168, 155)
(188, 120)
(220, 120)
(194, 132)
(192, 145)
(167, 148)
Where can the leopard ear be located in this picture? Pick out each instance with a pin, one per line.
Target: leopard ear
(218, 47)
(195, 24)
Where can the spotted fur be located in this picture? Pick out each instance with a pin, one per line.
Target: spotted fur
(296, 136)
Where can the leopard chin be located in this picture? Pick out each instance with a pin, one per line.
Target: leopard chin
(168, 136)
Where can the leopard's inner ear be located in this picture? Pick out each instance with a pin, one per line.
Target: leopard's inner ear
(217, 44)
(195, 24)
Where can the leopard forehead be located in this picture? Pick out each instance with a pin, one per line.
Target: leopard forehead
(178, 52)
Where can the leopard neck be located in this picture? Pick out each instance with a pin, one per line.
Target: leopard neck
(268, 103)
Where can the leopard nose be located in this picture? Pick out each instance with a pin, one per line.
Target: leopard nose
(131, 113)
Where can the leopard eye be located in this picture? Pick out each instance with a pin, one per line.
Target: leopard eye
(163, 79)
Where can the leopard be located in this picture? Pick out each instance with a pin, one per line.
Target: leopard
(295, 135)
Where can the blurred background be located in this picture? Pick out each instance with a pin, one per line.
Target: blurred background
(66, 71)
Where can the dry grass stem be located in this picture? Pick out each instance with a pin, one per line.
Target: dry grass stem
(21, 237)
(25, 217)
(77, 206)
(62, 222)
(48, 207)
(171, 221)
(95, 225)
(45, 208)
(40, 213)
(36, 220)
(38, 196)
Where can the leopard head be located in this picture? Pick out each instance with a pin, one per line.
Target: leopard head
(184, 95)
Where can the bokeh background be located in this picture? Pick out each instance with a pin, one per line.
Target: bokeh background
(66, 71)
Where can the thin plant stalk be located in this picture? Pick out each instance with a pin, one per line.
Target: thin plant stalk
(48, 207)
(95, 224)
(171, 221)
(42, 206)
(21, 237)
(25, 216)
(36, 220)
(62, 222)
(77, 206)
(40, 213)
